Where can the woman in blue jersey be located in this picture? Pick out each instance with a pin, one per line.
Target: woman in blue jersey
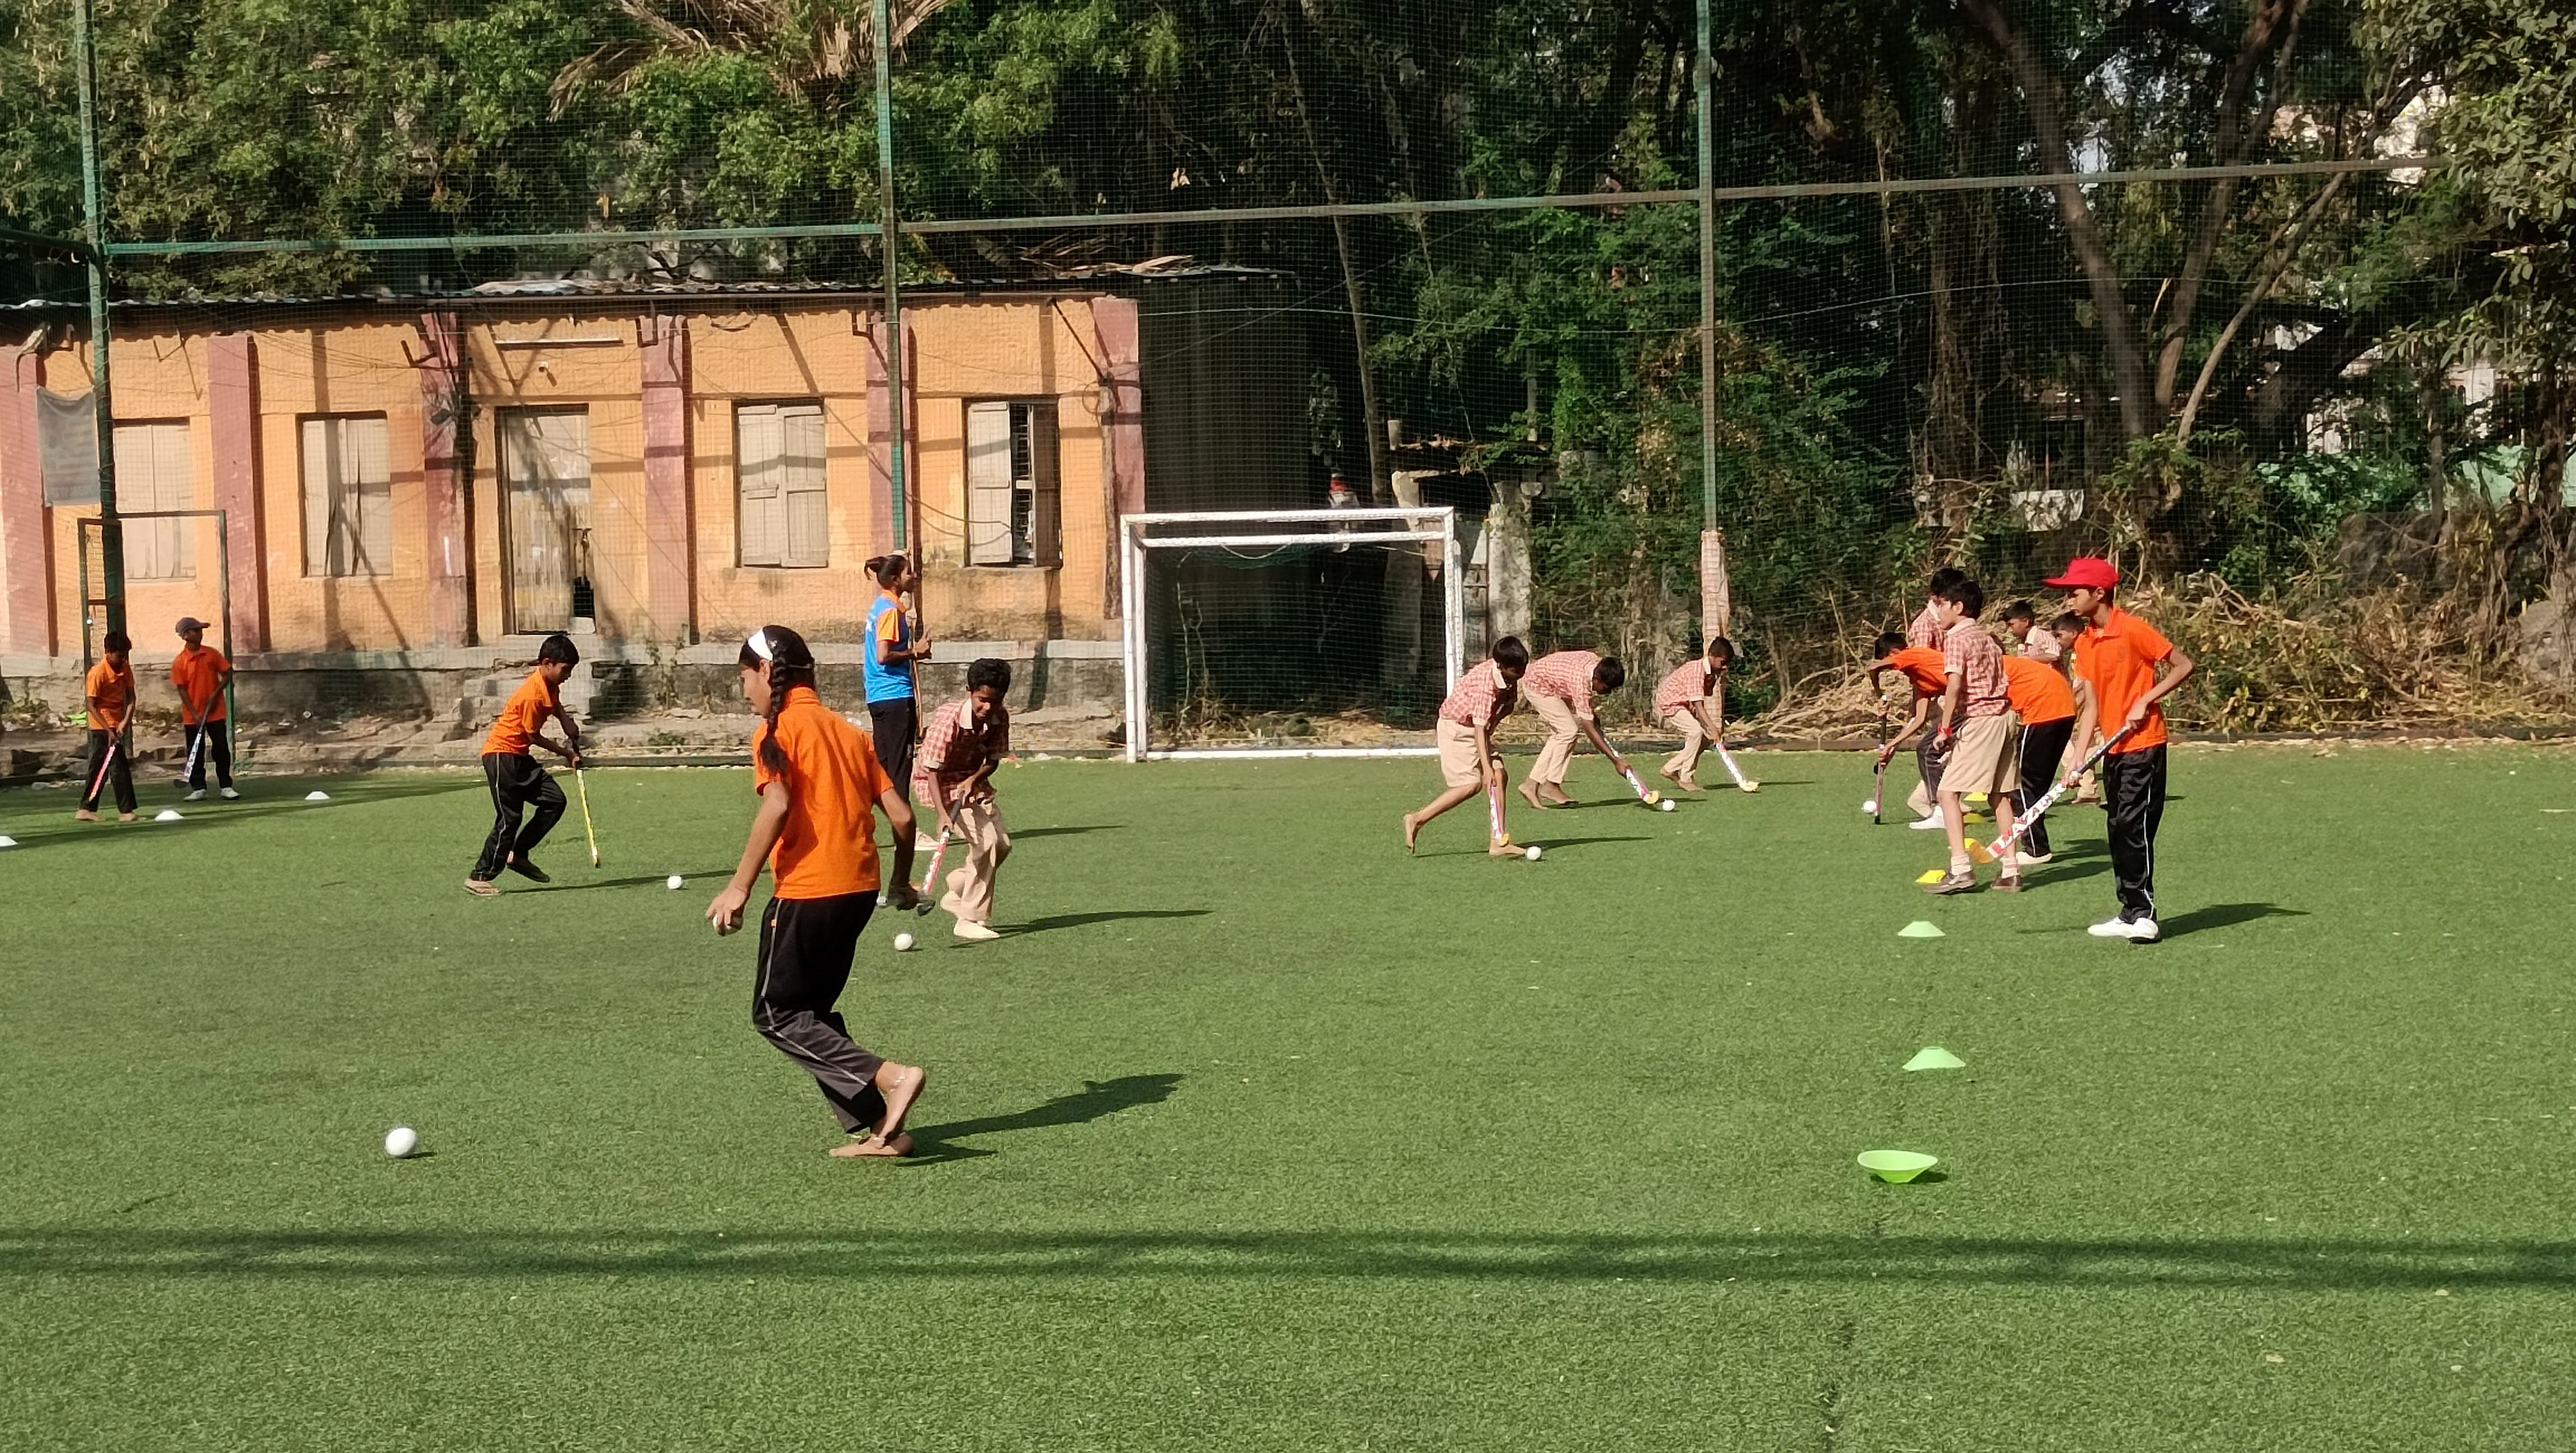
(892, 650)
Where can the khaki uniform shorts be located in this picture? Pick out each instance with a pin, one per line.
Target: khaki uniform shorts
(1982, 758)
(1458, 764)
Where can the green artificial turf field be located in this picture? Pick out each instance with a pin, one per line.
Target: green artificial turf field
(1256, 1135)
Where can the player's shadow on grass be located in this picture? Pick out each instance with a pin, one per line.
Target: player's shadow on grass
(640, 880)
(1079, 920)
(214, 813)
(1552, 844)
(1096, 1100)
(2225, 915)
(1029, 832)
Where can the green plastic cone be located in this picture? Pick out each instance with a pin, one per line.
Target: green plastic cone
(1920, 928)
(1934, 1057)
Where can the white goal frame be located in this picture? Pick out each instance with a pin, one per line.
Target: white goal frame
(1255, 530)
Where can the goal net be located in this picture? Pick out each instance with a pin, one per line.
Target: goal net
(1290, 632)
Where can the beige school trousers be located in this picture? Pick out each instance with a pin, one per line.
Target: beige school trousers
(1685, 763)
(1563, 731)
(975, 829)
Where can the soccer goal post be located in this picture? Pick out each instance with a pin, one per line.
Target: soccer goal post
(1266, 633)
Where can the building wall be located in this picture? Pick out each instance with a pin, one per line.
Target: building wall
(592, 355)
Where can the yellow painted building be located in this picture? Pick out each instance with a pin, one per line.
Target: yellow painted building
(658, 464)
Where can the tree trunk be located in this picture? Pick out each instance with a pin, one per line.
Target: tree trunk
(2046, 97)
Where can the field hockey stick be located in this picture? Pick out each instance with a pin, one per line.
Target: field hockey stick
(1495, 836)
(189, 772)
(2056, 790)
(1878, 791)
(1643, 796)
(582, 784)
(938, 850)
(1741, 781)
(106, 764)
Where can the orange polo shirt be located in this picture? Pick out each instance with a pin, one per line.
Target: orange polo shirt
(112, 687)
(524, 717)
(829, 846)
(1926, 666)
(198, 672)
(2120, 660)
(2038, 691)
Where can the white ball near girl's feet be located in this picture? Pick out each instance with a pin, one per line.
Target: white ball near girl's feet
(903, 943)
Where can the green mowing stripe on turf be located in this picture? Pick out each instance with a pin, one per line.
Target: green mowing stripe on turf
(1253, 1133)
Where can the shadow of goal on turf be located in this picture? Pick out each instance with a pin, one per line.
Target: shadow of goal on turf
(1096, 1100)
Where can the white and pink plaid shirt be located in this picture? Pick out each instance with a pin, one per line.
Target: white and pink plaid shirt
(1566, 675)
(954, 749)
(1924, 631)
(1689, 682)
(1483, 697)
(2041, 645)
(1970, 654)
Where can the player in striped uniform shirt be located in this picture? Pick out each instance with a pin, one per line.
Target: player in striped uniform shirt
(1681, 702)
(1560, 687)
(1465, 733)
(965, 741)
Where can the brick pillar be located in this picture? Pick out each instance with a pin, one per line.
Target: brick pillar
(881, 443)
(232, 389)
(669, 533)
(26, 546)
(1113, 322)
(445, 399)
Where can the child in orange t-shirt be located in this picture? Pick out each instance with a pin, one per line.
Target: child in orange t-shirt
(109, 692)
(1925, 668)
(201, 673)
(2118, 655)
(517, 782)
(819, 782)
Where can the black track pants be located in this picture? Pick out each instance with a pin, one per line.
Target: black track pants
(2133, 788)
(805, 949)
(517, 783)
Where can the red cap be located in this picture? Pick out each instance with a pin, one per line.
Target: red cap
(2090, 572)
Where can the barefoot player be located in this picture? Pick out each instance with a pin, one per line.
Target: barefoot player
(1691, 700)
(517, 782)
(964, 742)
(1561, 687)
(819, 783)
(1465, 732)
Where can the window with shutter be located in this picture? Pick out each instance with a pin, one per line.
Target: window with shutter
(348, 496)
(154, 472)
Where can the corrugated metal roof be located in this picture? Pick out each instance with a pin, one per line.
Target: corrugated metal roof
(1161, 269)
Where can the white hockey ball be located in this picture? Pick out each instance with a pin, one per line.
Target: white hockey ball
(401, 1141)
(675, 883)
(903, 943)
(1533, 854)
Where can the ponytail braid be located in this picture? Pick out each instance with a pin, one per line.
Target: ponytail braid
(786, 663)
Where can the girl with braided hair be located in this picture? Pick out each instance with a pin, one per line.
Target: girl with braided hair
(820, 784)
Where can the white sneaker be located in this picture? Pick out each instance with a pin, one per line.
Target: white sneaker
(229, 795)
(2135, 930)
(975, 932)
(1928, 824)
(197, 796)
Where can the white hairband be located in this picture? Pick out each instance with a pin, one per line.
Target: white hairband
(759, 643)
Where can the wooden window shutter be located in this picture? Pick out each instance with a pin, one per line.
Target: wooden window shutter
(1046, 521)
(365, 452)
(320, 440)
(801, 482)
(759, 443)
(988, 484)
